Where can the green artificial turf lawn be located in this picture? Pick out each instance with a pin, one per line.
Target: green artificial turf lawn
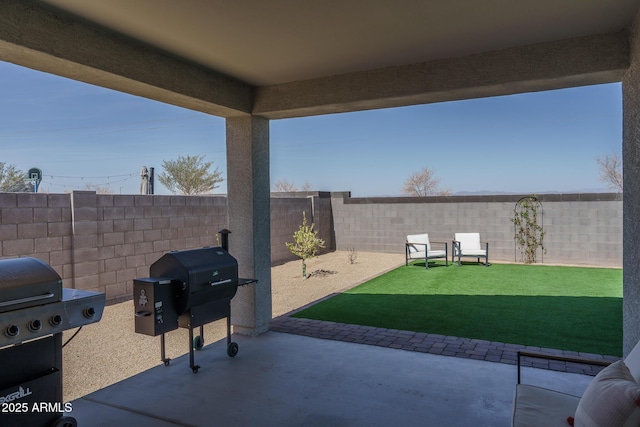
(567, 308)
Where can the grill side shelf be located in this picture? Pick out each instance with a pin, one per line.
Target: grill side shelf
(244, 282)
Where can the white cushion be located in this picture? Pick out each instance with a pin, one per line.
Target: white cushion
(421, 240)
(612, 399)
(633, 362)
(539, 407)
(468, 241)
(432, 254)
(474, 252)
(437, 253)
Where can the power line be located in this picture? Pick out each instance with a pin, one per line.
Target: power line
(90, 177)
(106, 183)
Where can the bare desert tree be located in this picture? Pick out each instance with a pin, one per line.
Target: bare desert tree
(611, 171)
(189, 175)
(284, 186)
(98, 188)
(423, 183)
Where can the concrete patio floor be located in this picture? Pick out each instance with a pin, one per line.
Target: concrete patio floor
(280, 379)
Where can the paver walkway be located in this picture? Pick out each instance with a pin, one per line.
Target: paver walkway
(433, 343)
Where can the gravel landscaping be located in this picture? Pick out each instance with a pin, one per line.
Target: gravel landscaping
(110, 351)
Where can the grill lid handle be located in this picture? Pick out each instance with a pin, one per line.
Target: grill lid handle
(26, 300)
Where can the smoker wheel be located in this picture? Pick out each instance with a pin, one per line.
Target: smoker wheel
(65, 422)
(167, 362)
(232, 349)
(198, 342)
(195, 369)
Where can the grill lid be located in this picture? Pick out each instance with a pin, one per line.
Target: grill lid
(27, 282)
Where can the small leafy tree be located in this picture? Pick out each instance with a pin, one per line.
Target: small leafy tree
(306, 243)
(529, 235)
(11, 179)
(189, 175)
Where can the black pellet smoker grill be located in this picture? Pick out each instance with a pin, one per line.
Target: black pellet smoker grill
(34, 311)
(188, 289)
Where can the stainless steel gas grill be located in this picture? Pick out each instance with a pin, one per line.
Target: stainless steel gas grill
(34, 311)
(188, 289)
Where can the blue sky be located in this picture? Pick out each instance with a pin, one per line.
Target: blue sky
(80, 134)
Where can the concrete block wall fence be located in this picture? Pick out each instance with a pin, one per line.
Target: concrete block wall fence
(581, 229)
(37, 225)
(102, 242)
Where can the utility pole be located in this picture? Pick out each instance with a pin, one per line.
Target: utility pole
(151, 180)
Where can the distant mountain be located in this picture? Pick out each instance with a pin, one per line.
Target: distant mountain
(501, 193)
(481, 193)
(494, 193)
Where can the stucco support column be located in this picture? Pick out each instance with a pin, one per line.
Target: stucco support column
(631, 202)
(250, 220)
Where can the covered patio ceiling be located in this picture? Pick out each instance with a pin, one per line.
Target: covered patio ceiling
(273, 42)
(285, 58)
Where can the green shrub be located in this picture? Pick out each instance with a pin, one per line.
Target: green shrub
(306, 243)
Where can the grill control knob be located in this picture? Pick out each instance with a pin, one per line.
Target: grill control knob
(11, 331)
(34, 325)
(55, 320)
(89, 312)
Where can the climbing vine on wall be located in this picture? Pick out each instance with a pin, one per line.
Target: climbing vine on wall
(529, 235)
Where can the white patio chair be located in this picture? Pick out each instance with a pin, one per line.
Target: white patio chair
(417, 246)
(468, 245)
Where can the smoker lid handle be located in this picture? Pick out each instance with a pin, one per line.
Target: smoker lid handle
(221, 282)
(244, 282)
